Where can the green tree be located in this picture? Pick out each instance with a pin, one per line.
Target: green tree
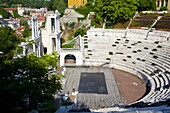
(8, 42)
(111, 10)
(26, 33)
(67, 46)
(164, 8)
(59, 5)
(24, 23)
(146, 5)
(5, 13)
(25, 82)
(79, 31)
(15, 14)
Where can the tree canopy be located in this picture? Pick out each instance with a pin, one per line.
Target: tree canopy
(8, 41)
(111, 10)
(25, 82)
(25, 3)
(59, 5)
(5, 14)
(146, 5)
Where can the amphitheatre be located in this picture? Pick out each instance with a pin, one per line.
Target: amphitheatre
(124, 68)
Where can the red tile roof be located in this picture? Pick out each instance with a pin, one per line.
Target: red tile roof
(20, 28)
(41, 19)
(10, 9)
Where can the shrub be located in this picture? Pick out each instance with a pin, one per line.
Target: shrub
(70, 38)
(67, 46)
(164, 8)
(79, 31)
(71, 25)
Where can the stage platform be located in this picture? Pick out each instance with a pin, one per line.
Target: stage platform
(96, 87)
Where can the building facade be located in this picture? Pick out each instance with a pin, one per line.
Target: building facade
(162, 3)
(51, 33)
(76, 3)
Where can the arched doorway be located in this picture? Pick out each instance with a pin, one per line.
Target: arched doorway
(70, 59)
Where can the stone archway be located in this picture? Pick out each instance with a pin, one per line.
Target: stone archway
(70, 59)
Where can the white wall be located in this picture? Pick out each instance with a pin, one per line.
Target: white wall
(47, 34)
(78, 54)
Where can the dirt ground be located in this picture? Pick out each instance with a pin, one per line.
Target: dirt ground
(131, 88)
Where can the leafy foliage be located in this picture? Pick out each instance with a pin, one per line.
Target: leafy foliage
(25, 3)
(79, 31)
(70, 38)
(15, 14)
(25, 82)
(67, 46)
(59, 5)
(111, 10)
(85, 10)
(146, 5)
(72, 25)
(164, 8)
(24, 23)
(26, 33)
(8, 41)
(5, 14)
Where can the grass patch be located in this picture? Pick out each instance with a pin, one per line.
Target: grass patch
(67, 46)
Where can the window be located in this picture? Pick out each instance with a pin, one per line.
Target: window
(53, 44)
(158, 3)
(166, 3)
(45, 50)
(52, 24)
(162, 3)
